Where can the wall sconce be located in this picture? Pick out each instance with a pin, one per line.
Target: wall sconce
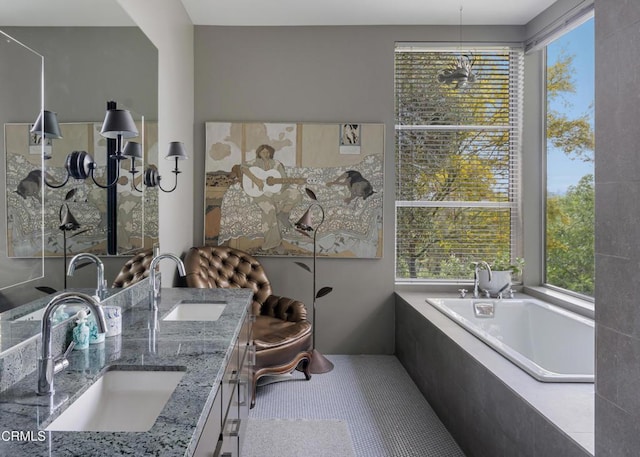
(133, 150)
(47, 126)
(151, 177)
(118, 124)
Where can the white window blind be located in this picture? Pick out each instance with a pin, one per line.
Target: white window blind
(457, 161)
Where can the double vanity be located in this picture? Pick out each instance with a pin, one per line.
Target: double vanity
(176, 382)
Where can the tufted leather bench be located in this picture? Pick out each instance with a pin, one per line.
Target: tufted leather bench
(281, 331)
(135, 269)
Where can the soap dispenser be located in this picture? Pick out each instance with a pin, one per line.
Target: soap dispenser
(81, 331)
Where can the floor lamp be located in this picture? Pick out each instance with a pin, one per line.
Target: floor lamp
(67, 223)
(319, 363)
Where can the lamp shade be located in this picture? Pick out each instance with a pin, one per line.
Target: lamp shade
(177, 151)
(47, 125)
(67, 221)
(118, 122)
(304, 223)
(132, 149)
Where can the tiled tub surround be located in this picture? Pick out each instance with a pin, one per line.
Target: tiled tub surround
(546, 341)
(489, 405)
(202, 348)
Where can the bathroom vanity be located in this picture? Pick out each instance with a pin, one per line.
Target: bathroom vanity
(209, 356)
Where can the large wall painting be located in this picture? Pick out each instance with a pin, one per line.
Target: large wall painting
(256, 175)
(137, 214)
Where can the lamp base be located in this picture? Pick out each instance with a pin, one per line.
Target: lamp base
(319, 363)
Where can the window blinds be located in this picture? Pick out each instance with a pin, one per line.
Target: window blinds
(457, 160)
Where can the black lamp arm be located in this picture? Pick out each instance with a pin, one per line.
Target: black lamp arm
(92, 167)
(55, 186)
(152, 178)
(133, 180)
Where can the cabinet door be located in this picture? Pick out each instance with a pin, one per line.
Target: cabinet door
(244, 389)
(208, 442)
(231, 426)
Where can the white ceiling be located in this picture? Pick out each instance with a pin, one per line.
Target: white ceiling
(363, 12)
(282, 12)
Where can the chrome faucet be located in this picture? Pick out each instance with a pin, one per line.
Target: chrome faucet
(505, 289)
(476, 279)
(48, 365)
(154, 293)
(101, 287)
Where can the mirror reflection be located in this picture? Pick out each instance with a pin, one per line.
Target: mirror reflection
(84, 67)
(93, 202)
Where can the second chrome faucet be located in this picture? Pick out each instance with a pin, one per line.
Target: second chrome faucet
(101, 287)
(154, 291)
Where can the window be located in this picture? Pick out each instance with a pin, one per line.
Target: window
(458, 132)
(569, 229)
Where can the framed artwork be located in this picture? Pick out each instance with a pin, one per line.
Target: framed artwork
(256, 175)
(137, 213)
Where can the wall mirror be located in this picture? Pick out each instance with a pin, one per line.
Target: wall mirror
(92, 53)
(22, 200)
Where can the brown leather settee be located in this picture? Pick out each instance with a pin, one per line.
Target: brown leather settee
(135, 269)
(281, 331)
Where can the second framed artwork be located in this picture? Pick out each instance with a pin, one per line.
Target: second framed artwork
(256, 179)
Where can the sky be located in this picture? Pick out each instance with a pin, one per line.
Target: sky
(562, 171)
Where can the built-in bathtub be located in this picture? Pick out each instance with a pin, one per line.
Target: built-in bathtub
(549, 343)
(490, 405)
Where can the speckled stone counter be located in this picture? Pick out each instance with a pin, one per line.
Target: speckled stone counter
(201, 348)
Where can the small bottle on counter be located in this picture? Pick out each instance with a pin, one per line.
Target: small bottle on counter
(81, 331)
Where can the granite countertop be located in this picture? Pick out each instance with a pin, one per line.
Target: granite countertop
(202, 348)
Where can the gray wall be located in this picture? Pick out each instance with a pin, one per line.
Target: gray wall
(617, 229)
(318, 74)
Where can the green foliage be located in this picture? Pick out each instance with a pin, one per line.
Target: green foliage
(503, 263)
(574, 137)
(570, 235)
(570, 238)
(454, 267)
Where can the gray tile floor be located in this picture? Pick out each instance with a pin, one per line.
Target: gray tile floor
(386, 413)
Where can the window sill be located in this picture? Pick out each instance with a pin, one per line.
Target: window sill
(577, 305)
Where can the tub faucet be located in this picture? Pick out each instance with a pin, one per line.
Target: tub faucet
(101, 287)
(48, 366)
(154, 292)
(505, 289)
(476, 279)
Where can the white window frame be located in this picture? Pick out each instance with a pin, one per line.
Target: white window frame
(515, 204)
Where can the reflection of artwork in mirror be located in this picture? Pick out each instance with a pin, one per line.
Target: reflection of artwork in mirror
(137, 214)
(256, 175)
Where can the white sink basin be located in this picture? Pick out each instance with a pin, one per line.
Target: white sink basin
(120, 401)
(196, 311)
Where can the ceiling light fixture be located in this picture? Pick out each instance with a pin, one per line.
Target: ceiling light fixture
(460, 72)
